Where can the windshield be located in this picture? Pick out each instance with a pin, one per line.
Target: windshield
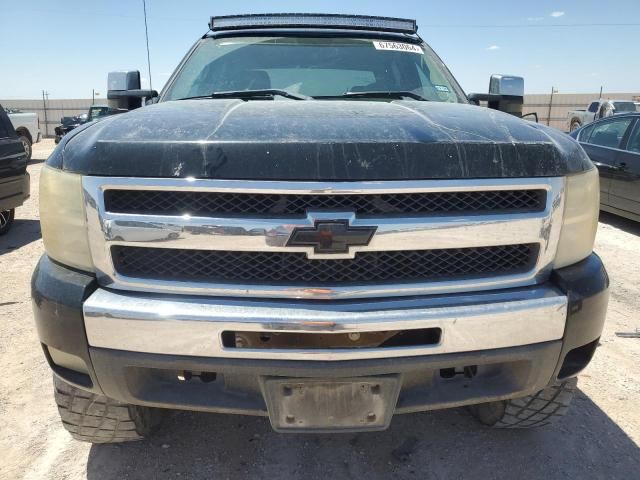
(624, 107)
(314, 67)
(98, 112)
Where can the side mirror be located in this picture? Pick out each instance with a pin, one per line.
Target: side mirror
(123, 90)
(506, 85)
(506, 93)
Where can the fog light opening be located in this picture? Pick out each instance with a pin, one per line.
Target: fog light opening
(69, 368)
(577, 359)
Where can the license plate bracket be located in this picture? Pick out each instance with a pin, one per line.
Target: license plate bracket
(331, 405)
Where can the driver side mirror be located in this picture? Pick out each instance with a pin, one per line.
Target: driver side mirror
(123, 90)
(506, 93)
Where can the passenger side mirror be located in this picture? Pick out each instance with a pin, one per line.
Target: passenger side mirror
(506, 93)
(123, 90)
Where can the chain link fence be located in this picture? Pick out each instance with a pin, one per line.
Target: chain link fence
(551, 109)
(50, 112)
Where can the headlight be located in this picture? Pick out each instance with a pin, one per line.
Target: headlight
(62, 218)
(581, 209)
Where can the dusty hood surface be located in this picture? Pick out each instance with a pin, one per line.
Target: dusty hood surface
(319, 140)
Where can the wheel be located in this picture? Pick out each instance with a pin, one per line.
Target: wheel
(26, 143)
(97, 419)
(575, 124)
(532, 411)
(6, 220)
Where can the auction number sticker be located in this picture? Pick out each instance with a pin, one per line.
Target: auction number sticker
(398, 47)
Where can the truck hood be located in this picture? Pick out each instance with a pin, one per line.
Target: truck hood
(320, 140)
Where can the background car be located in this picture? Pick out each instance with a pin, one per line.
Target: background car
(613, 144)
(598, 109)
(14, 179)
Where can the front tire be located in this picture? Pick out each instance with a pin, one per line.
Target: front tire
(26, 143)
(532, 411)
(97, 419)
(6, 220)
(575, 125)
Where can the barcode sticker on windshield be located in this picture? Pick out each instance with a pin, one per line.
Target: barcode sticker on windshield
(398, 47)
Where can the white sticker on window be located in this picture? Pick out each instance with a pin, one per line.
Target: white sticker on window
(398, 47)
(442, 88)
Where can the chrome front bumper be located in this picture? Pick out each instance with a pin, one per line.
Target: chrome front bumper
(193, 326)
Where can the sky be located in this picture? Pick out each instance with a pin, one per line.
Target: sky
(575, 46)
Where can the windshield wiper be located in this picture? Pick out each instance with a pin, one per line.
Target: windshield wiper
(249, 94)
(379, 94)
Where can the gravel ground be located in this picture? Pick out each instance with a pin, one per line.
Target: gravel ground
(599, 438)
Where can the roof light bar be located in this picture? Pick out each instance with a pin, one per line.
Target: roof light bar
(309, 20)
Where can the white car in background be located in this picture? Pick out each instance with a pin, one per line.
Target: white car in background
(598, 109)
(27, 127)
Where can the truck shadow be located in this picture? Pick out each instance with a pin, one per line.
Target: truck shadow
(445, 444)
(622, 223)
(22, 233)
(35, 161)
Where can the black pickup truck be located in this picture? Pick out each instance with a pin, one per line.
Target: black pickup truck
(14, 178)
(312, 222)
(96, 112)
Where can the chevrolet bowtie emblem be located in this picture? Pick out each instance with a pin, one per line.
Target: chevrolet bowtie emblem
(331, 236)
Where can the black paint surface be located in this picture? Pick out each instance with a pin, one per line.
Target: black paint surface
(319, 140)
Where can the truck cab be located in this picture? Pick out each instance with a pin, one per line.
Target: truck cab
(311, 222)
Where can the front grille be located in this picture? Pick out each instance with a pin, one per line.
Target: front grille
(207, 204)
(294, 267)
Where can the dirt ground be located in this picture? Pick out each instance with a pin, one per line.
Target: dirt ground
(600, 437)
